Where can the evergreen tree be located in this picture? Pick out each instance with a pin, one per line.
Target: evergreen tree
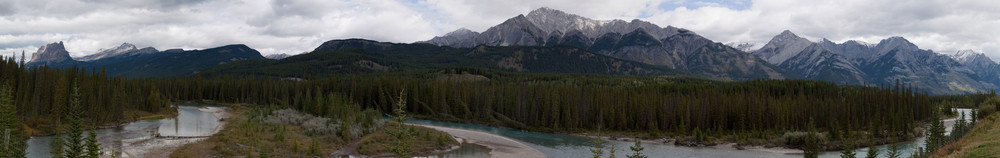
(637, 148)
(974, 118)
(611, 152)
(58, 144)
(74, 140)
(93, 148)
(893, 151)
(848, 151)
(872, 152)
(598, 149)
(401, 133)
(935, 133)
(11, 133)
(812, 143)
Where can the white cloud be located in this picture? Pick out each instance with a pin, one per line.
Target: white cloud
(295, 26)
(271, 26)
(940, 25)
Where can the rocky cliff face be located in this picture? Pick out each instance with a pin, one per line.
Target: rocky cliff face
(634, 40)
(50, 54)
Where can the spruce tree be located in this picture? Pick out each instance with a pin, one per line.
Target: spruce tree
(74, 140)
(93, 148)
(637, 148)
(58, 144)
(12, 134)
(598, 149)
(893, 151)
(848, 151)
(812, 141)
(935, 133)
(402, 133)
(872, 151)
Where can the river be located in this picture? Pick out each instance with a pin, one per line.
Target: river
(561, 145)
(137, 139)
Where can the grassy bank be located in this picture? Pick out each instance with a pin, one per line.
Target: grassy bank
(259, 132)
(425, 140)
(982, 141)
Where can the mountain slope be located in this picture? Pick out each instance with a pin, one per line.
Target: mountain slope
(634, 40)
(123, 50)
(809, 60)
(366, 56)
(893, 59)
(177, 64)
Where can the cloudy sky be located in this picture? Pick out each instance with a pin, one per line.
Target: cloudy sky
(296, 26)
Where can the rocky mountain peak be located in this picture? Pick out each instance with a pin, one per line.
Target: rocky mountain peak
(896, 42)
(125, 49)
(787, 34)
(965, 54)
(50, 53)
(461, 32)
(972, 58)
(782, 47)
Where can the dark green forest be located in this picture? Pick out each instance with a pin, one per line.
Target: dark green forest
(568, 102)
(41, 96)
(356, 56)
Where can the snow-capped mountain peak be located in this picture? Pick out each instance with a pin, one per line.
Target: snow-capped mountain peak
(125, 49)
(964, 55)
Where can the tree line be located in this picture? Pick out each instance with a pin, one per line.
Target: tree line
(41, 96)
(553, 102)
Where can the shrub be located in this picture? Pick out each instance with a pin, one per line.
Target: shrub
(798, 139)
(989, 106)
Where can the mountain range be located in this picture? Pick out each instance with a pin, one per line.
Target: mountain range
(551, 41)
(352, 56)
(893, 59)
(126, 60)
(634, 40)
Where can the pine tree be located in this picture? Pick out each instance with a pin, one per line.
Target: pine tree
(848, 151)
(637, 148)
(58, 143)
(611, 152)
(935, 133)
(93, 148)
(872, 151)
(598, 149)
(401, 133)
(893, 151)
(11, 132)
(812, 143)
(74, 141)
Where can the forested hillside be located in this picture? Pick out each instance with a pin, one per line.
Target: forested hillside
(41, 96)
(356, 56)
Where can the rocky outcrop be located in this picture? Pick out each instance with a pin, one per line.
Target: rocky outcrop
(53, 53)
